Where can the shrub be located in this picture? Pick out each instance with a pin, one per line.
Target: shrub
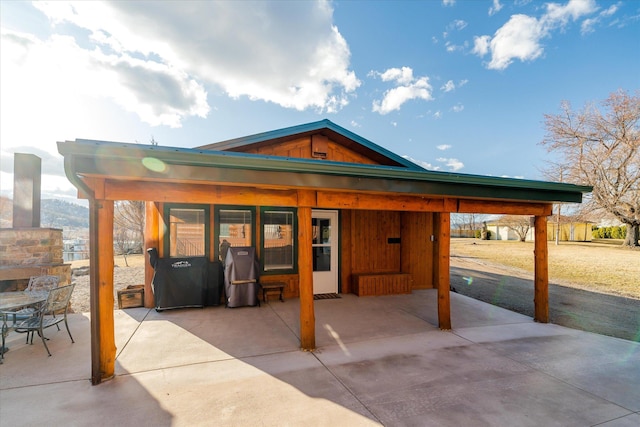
(612, 232)
(616, 233)
(478, 234)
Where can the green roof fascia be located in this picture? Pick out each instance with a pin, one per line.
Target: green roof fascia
(95, 154)
(310, 127)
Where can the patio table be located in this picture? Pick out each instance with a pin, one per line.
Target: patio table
(16, 300)
(11, 301)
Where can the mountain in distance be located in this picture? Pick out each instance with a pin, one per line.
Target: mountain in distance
(54, 213)
(58, 213)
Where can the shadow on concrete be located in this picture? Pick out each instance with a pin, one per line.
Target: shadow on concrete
(379, 360)
(35, 388)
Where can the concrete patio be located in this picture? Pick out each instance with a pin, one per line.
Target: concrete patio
(379, 361)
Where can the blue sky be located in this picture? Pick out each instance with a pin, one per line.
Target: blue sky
(454, 85)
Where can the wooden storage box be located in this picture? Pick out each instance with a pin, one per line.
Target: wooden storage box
(131, 297)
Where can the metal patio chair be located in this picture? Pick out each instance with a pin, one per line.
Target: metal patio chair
(37, 285)
(45, 317)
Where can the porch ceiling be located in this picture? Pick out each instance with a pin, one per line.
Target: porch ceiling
(122, 161)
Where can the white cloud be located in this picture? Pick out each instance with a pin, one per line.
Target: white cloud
(408, 88)
(402, 75)
(443, 147)
(457, 24)
(452, 47)
(236, 46)
(448, 2)
(481, 45)
(520, 38)
(453, 164)
(588, 25)
(517, 39)
(457, 108)
(422, 163)
(495, 8)
(448, 86)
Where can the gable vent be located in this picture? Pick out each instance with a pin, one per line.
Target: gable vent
(319, 146)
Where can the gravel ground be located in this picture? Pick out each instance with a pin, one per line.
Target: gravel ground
(122, 277)
(505, 287)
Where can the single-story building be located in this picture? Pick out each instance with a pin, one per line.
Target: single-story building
(326, 210)
(570, 230)
(498, 231)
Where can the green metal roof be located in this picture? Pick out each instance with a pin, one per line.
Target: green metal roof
(125, 161)
(310, 128)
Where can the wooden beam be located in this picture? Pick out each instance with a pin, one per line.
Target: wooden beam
(307, 198)
(151, 240)
(162, 191)
(387, 202)
(504, 207)
(197, 193)
(305, 273)
(443, 250)
(103, 347)
(541, 273)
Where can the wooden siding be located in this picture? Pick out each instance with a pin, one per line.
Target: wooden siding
(418, 248)
(371, 251)
(301, 148)
(345, 251)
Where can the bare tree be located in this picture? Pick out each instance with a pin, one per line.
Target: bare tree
(466, 224)
(518, 224)
(555, 172)
(602, 149)
(128, 220)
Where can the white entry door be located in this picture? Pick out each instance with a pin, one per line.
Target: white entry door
(325, 251)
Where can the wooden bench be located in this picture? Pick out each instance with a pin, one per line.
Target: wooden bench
(381, 284)
(272, 288)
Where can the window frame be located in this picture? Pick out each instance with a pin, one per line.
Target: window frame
(216, 225)
(294, 233)
(167, 225)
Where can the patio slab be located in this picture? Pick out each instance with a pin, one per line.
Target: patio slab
(379, 361)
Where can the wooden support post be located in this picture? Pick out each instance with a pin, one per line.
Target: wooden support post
(541, 279)
(103, 347)
(305, 274)
(443, 250)
(151, 240)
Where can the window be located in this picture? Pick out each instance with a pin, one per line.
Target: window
(278, 240)
(234, 227)
(188, 230)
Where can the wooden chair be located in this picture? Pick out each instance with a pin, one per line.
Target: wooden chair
(45, 317)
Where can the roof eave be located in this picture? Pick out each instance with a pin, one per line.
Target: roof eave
(113, 158)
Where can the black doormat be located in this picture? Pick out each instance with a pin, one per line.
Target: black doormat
(326, 296)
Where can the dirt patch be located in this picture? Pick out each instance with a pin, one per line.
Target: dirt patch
(126, 272)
